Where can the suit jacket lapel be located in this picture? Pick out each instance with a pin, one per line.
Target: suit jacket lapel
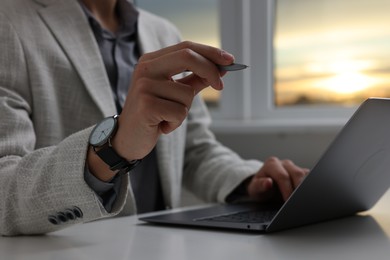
(68, 24)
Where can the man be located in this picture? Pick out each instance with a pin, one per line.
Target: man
(65, 65)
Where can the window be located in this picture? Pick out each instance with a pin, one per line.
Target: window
(331, 52)
(196, 20)
(311, 62)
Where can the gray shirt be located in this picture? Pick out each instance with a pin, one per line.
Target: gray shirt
(120, 54)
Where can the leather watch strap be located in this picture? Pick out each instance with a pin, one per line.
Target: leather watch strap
(115, 161)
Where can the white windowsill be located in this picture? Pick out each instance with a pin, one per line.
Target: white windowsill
(278, 126)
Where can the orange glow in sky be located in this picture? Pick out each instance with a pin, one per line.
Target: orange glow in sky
(331, 51)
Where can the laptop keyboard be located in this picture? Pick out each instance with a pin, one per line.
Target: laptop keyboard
(244, 217)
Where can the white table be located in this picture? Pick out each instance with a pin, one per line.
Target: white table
(360, 237)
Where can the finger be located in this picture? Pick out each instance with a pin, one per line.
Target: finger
(215, 55)
(167, 115)
(261, 188)
(197, 83)
(180, 61)
(297, 174)
(273, 168)
(169, 90)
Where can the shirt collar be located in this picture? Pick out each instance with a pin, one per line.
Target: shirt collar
(128, 16)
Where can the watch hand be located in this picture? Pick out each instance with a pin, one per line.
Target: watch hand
(101, 133)
(108, 130)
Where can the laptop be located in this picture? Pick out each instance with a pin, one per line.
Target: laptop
(350, 177)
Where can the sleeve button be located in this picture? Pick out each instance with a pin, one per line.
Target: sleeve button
(70, 214)
(54, 220)
(77, 211)
(62, 217)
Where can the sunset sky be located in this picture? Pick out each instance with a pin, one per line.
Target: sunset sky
(331, 50)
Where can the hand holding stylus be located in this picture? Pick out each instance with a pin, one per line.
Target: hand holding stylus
(156, 104)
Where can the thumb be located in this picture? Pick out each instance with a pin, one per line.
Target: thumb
(198, 83)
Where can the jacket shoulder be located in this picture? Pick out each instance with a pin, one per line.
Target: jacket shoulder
(159, 26)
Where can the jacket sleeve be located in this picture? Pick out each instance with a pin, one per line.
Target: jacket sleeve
(41, 189)
(211, 170)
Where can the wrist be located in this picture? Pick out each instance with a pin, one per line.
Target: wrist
(103, 152)
(127, 143)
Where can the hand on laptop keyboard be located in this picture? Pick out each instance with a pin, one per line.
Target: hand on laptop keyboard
(276, 175)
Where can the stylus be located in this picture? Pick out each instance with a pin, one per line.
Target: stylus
(232, 67)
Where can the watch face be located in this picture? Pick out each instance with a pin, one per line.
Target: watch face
(102, 131)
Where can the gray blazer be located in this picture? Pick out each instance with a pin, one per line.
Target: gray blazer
(53, 89)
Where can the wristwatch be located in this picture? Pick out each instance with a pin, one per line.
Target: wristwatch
(100, 140)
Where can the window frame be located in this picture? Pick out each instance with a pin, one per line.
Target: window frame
(247, 101)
